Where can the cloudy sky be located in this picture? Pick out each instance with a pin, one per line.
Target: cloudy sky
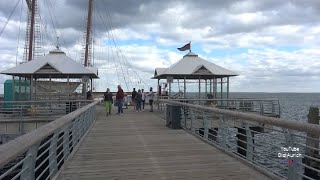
(272, 44)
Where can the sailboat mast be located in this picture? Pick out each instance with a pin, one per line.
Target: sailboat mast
(86, 55)
(31, 33)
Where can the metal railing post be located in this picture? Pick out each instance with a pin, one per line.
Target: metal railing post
(293, 170)
(30, 163)
(250, 143)
(53, 164)
(66, 143)
(192, 120)
(205, 125)
(222, 131)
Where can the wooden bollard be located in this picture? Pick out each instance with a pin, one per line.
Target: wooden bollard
(312, 141)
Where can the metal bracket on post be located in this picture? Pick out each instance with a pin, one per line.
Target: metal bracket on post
(183, 117)
(30, 163)
(81, 127)
(222, 131)
(205, 125)
(53, 164)
(250, 143)
(66, 142)
(192, 120)
(294, 168)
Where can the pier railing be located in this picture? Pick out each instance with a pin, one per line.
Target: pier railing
(264, 107)
(41, 153)
(277, 147)
(22, 116)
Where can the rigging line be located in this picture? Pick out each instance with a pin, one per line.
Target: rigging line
(126, 77)
(61, 35)
(41, 25)
(109, 18)
(110, 35)
(50, 14)
(119, 51)
(115, 65)
(8, 19)
(17, 54)
(112, 38)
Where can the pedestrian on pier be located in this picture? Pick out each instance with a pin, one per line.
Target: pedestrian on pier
(150, 94)
(89, 95)
(119, 99)
(133, 97)
(108, 101)
(143, 94)
(139, 100)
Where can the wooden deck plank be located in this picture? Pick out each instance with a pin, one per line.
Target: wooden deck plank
(139, 146)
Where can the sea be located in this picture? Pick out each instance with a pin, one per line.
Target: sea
(294, 106)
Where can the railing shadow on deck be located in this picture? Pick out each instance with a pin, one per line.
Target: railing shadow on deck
(41, 153)
(276, 146)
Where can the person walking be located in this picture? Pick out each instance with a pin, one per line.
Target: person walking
(143, 94)
(138, 100)
(108, 101)
(119, 99)
(133, 97)
(150, 95)
(89, 95)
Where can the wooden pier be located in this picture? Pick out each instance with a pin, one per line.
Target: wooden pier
(138, 145)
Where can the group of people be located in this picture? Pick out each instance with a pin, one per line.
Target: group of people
(138, 100)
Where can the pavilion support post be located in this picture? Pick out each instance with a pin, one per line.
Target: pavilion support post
(159, 93)
(199, 90)
(68, 86)
(25, 88)
(91, 84)
(221, 87)
(206, 90)
(184, 87)
(210, 86)
(169, 89)
(13, 89)
(50, 88)
(19, 89)
(31, 86)
(227, 87)
(221, 91)
(214, 87)
(159, 89)
(35, 89)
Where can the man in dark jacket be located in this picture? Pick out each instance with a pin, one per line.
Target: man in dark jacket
(119, 99)
(133, 97)
(108, 101)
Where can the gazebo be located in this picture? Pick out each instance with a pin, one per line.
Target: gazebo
(193, 69)
(39, 76)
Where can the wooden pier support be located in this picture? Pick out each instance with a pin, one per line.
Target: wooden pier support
(312, 141)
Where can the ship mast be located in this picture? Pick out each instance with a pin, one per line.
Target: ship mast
(86, 55)
(32, 8)
(87, 58)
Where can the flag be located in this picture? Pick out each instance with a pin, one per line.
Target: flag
(185, 47)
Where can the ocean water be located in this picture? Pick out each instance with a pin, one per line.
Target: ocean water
(294, 106)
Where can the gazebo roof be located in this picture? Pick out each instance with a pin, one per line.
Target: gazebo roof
(192, 67)
(56, 64)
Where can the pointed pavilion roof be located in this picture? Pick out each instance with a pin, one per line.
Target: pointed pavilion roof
(192, 66)
(56, 64)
